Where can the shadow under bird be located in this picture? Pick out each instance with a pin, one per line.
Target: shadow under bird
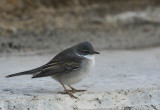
(68, 67)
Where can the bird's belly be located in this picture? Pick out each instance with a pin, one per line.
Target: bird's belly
(75, 76)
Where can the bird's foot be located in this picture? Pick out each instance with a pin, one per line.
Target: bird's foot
(69, 93)
(75, 90)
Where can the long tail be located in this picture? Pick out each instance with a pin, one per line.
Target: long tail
(25, 72)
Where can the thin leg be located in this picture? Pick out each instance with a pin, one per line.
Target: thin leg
(70, 94)
(75, 90)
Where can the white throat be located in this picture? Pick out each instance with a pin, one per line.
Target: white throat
(89, 57)
(91, 60)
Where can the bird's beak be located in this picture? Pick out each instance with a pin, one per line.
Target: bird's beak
(94, 52)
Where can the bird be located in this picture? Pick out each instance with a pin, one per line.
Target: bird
(68, 67)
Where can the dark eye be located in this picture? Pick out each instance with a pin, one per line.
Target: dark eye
(85, 51)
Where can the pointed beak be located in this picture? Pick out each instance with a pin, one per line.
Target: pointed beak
(94, 52)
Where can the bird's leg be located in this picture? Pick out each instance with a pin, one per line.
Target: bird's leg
(75, 90)
(70, 94)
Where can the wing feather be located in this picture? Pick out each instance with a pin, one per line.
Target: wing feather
(59, 66)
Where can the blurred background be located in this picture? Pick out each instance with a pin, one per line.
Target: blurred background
(53, 25)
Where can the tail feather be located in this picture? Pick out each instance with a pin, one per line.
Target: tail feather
(25, 72)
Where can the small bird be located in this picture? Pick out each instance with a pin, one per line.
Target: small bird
(68, 67)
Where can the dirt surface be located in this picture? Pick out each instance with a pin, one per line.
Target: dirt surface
(27, 26)
(121, 80)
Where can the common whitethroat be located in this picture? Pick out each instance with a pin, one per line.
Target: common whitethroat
(68, 67)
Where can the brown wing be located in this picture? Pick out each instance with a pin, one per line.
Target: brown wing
(58, 66)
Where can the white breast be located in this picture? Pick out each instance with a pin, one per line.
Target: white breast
(75, 77)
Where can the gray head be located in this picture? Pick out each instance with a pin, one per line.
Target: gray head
(85, 48)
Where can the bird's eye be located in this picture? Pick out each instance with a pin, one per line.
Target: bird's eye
(85, 51)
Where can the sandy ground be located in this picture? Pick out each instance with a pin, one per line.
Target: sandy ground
(116, 69)
(120, 79)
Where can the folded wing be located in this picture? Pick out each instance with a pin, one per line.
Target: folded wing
(59, 66)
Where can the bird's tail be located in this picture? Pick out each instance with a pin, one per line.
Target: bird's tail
(25, 72)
